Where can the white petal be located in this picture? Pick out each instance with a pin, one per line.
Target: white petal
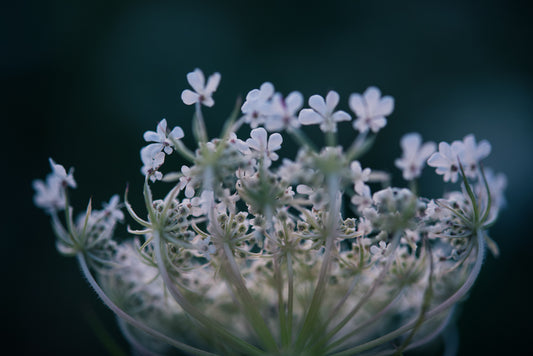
(438, 160)
(176, 133)
(341, 116)
(317, 102)
(332, 100)
(385, 107)
(426, 150)
(151, 136)
(162, 128)
(410, 143)
(357, 105)
(259, 135)
(377, 123)
(274, 142)
(189, 97)
(212, 83)
(483, 149)
(208, 101)
(294, 101)
(309, 117)
(372, 96)
(197, 80)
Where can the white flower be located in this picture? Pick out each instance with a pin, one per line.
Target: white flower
(281, 113)
(359, 176)
(188, 181)
(258, 143)
(112, 209)
(151, 164)
(202, 92)
(371, 109)
(322, 112)
(61, 174)
(163, 138)
(206, 248)
(318, 198)
(49, 195)
(472, 154)
(414, 155)
(364, 200)
(446, 160)
(380, 250)
(238, 144)
(257, 104)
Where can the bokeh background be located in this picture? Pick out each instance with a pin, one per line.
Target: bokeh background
(82, 80)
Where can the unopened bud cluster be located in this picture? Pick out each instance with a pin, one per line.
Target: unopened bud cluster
(310, 254)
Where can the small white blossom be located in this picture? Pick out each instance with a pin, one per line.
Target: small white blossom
(206, 248)
(202, 92)
(359, 176)
(364, 200)
(257, 104)
(371, 110)
(162, 138)
(282, 112)
(188, 181)
(49, 195)
(317, 197)
(112, 209)
(151, 164)
(322, 112)
(380, 250)
(265, 149)
(446, 160)
(61, 174)
(414, 155)
(472, 154)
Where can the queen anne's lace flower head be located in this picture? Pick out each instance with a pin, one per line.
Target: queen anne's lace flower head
(250, 254)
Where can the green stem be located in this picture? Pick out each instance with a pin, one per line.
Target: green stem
(128, 318)
(448, 303)
(209, 323)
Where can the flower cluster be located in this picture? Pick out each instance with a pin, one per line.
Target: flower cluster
(307, 255)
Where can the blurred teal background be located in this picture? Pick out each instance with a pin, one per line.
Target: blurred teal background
(82, 81)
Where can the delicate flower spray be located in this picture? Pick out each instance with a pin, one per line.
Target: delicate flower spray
(248, 254)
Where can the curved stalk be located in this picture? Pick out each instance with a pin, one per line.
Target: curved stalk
(128, 318)
(454, 298)
(207, 322)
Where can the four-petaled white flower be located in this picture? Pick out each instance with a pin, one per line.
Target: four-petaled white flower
(257, 104)
(472, 154)
(282, 112)
(264, 148)
(322, 112)
(371, 109)
(162, 138)
(202, 92)
(414, 155)
(446, 160)
(359, 177)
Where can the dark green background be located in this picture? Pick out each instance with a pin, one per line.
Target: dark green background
(82, 80)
